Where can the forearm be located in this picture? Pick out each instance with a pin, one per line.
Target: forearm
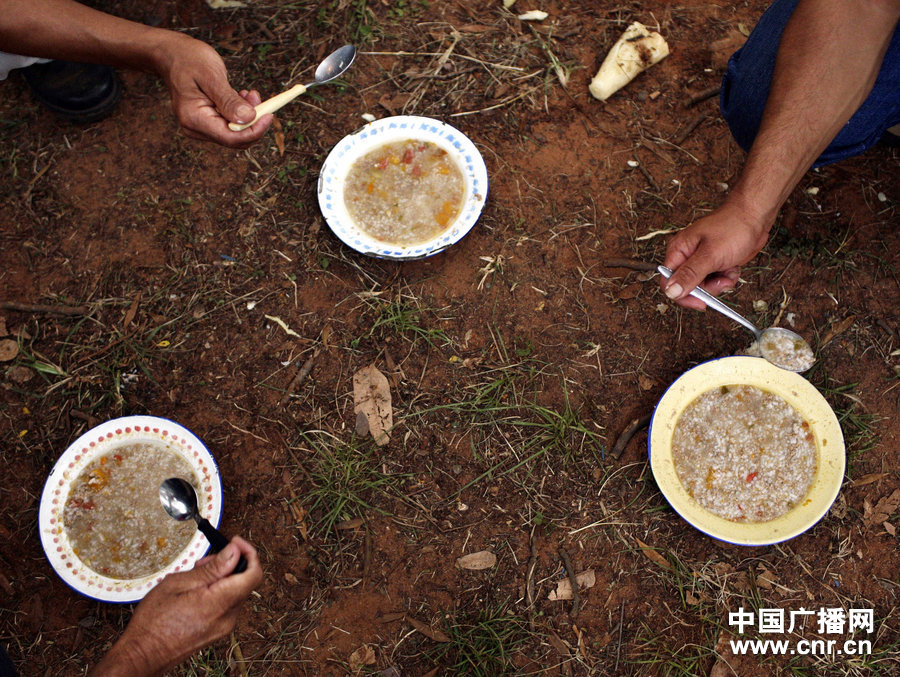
(64, 29)
(830, 55)
(127, 659)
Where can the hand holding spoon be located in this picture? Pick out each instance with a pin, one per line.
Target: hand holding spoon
(180, 501)
(780, 346)
(333, 66)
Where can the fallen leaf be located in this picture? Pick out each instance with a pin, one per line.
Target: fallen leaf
(477, 561)
(131, 312)
(225, 4)
(3, 330)
(890, 528)
(586, 579)
(836, 330)
(350, 524)
(883, 510)
(765, 579)
(279, 137)
(557, 643)
(427, 630)
(868, 479)
(630, 291)
(721, 669)
(390, 617)
(645, 382)
(653, 555)
(364, 655)
(394, 104)
(290, 578)
(8, 350)
(372, 396)
(475, 28)
(362, 424)
(533, 15)
(19, 374)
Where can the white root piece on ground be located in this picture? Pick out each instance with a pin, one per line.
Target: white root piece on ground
(533, 15)
(633, 53)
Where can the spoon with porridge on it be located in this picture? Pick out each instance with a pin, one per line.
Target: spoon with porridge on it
(780, 346)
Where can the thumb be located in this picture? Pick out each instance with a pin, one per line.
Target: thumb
(232, 106)
(218, 566)
(689, 274)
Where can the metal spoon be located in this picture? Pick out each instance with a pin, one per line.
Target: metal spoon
(180, 501)
(767, 340)
(333, 66)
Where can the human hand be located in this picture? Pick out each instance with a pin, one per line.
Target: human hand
(710, 251)
(184, 613)
(203, 101)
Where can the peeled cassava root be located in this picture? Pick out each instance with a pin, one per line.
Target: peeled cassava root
(635, 52)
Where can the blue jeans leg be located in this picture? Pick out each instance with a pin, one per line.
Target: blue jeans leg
(745, 89)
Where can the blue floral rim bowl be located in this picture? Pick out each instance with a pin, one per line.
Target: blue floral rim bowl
(400, 128)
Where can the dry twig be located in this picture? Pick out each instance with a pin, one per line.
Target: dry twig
(702, 96)
(696, 122)
(627, 434)
(298, 379)
(631, 264)
(49, 310)
(570, 572)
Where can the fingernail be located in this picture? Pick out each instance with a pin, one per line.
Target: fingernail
(245, 113)
(227, 553)
(673, 291)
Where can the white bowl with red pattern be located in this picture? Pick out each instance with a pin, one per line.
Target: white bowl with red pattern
(101, 441)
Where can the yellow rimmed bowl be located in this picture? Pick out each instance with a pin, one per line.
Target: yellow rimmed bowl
(796, 391)
(337, 165)
(100, 441)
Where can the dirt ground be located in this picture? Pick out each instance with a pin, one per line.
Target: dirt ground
(515, 359)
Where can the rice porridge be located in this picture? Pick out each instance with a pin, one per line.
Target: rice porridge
(114, 519)
(404, 192)
(744, 454)
(786, 351)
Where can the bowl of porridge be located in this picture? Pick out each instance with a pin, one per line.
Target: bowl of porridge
(101, 523)
(403, 187)
(745, 451)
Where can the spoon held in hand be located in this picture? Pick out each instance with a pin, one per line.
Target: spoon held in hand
(179, 499)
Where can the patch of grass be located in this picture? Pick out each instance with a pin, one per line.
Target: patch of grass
(660, 655)
(206, 664)
(514, 430)
(345, 480)
(858, 427)
(355, 16)
(481, 644)
(406, 9)
(404, 317)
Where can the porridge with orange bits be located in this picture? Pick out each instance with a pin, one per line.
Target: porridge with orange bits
(114, 519)
(744, 454)
(404, 192)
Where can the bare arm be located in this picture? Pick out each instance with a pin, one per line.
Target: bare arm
(830, 54)
(203, 100)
